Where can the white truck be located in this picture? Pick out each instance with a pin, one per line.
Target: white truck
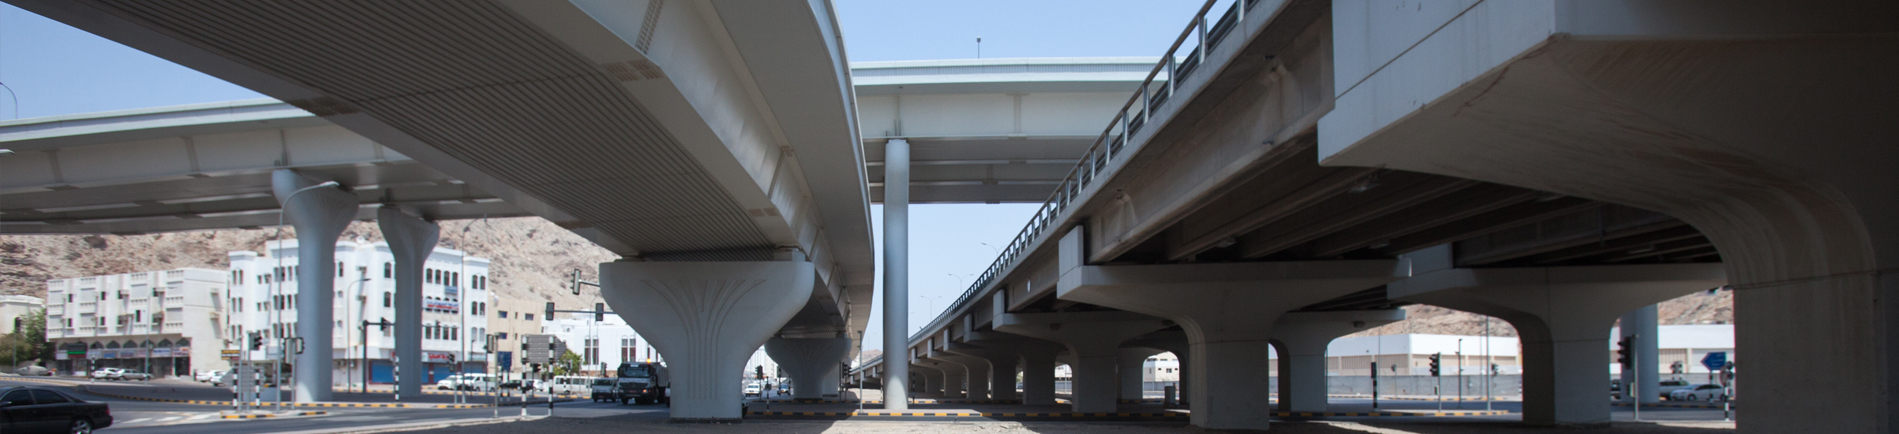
(642, 383)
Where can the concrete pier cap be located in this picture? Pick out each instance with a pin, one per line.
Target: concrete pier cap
(707, 318)
(1227, 310)
(1563, 316)
(812, 363)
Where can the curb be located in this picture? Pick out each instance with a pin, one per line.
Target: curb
(1394, 414)
(1677, 405)
(300, 404)
(268, 415)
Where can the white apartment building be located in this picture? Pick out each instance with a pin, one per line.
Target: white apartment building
(454, 315)
(600, 344)
(16, 308)
(164, 322)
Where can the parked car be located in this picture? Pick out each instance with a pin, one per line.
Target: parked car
(33, 371)
(1700, 392)
(476, 382)
(42, 410)
(207, 376)
(133, 374)
(105, 374)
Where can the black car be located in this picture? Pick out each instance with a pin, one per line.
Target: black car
(43, 410)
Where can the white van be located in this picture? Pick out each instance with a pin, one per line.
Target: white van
(476, 382)
(570, 385)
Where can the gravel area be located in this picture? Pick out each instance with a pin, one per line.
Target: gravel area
(569, 426)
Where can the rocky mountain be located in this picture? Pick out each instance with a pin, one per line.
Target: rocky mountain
(532, 258)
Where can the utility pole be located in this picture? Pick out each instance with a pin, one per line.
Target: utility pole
(1460, 372)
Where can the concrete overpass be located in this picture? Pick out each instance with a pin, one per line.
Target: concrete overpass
(1312, 165)
(695, 139)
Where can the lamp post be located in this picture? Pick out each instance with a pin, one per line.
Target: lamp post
(932, 299)
(362, 273)
(276, 290)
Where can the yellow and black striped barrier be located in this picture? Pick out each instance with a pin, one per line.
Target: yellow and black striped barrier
(1708, 406)
(292, 404)
(1391, 413)
(268, 415)
(913, 401)
(960, 414)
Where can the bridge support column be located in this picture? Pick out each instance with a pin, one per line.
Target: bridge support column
(1095, 340)
(976, 373)
(812, 363)
(1227, 311)
(1563, 316)
(1301, 338)
(319, 215)
(1037, 358)
(954, 375)
(1173, 341)
(1132, 370)
(1642, 322)
(999, 385)
(932, 381)
(411, 240)
(896, 270)
(707, 318)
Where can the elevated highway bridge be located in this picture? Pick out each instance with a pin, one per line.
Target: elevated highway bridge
(1286, 173)
(1305, 167)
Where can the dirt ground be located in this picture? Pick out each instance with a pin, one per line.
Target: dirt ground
(569, 426)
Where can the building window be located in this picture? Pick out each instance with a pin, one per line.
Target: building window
(529, 317)
(593, 352)
(339, 268)
(388, 300)
(502, 314)
(629, 349)
(502, 335)
(388, 270)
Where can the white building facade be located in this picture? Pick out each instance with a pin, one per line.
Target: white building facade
(454, 316)
(166, 322)
(16, 308)
(601, 345)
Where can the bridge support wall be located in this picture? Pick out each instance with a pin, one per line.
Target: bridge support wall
(1563, 315)
(1130, 370)
(707, 318)
(411, 240)
(812, 363)
(320, 215)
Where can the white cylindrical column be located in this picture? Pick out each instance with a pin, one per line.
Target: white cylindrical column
(896, 271)
(320, 215)
(1643, 324)
(411, 239)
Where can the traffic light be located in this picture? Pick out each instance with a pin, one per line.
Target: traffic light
(550, 311)
(257, 341)
(1675, 368)
(1434, 360)
(759, 371)
(536, 366)
(1622, 349)
(488, 345)
(599, 312)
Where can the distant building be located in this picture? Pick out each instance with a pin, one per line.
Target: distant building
(510, 319)
(601, 345)
(1687, 345)
(453, 284)
(17, 307)
(1409, 354)
(1163, 368)
(166, 322)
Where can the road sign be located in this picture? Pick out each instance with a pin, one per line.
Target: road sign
(231, 354)
(1715, 360)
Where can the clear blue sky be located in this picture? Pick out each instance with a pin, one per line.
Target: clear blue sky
(57, 70)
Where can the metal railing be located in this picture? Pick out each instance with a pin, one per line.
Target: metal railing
(1107, 148)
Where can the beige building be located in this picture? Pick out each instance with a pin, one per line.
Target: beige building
(509, 320)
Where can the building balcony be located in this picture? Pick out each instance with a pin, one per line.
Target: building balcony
(175, 301)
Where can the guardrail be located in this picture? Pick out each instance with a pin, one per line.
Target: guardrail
(1107, 147)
